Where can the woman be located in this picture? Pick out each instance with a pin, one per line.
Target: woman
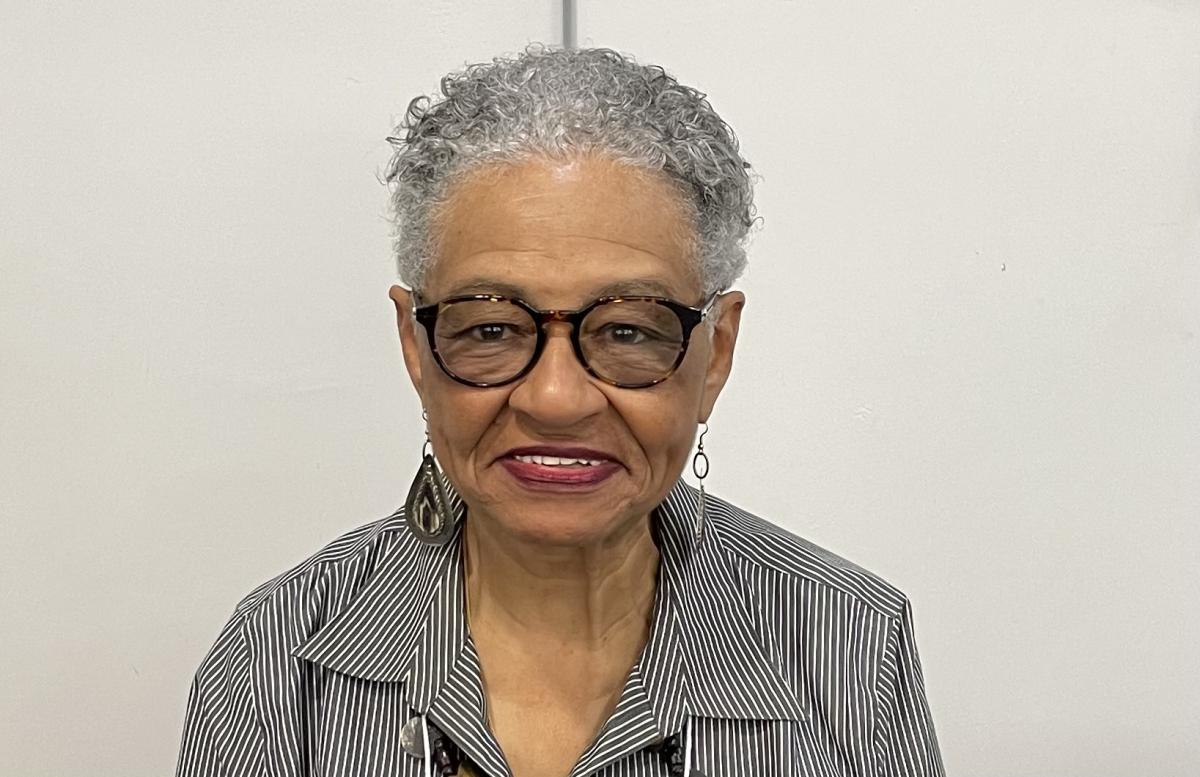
(552, 599)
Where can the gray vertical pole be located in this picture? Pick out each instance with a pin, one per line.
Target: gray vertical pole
(568, 24)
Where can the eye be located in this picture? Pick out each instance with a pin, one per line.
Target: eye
(625, 334)
(489, 333)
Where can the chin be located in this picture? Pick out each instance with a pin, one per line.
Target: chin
(560, 527)
(556, 515)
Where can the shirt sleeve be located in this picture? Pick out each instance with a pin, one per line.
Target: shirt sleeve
(904, 740)
(222, 736)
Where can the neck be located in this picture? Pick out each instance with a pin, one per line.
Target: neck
(557, 630)
(594, 596)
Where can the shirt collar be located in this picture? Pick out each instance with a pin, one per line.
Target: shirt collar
(705, 656)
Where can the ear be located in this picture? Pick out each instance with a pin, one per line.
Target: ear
(728, 318)
(410, 343)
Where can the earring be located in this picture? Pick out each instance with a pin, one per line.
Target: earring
(427, 510)
(700, 470)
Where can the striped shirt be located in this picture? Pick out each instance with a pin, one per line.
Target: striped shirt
(777, 658)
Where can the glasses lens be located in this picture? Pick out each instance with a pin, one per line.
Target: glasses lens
(485, 341)
(631, 342)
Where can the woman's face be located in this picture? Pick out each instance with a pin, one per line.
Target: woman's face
(559, 234)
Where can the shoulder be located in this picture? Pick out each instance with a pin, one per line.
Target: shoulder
(762, 548)
(348, 560)
(279, 614)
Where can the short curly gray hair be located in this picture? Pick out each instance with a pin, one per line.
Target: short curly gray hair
(558, 102)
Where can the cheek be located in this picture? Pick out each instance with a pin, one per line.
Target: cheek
(678, 411)
(663, 426)
(460, 418)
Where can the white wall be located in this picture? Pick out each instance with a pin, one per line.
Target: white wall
(973, 322)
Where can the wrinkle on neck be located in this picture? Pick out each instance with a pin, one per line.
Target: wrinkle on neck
(587, 597)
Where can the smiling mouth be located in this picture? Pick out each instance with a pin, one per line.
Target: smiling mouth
(566, 471)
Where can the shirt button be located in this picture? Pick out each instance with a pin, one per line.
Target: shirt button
(412, 739)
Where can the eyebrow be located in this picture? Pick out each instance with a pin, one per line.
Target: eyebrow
(484, 286)
(633, 288)
(640, 287)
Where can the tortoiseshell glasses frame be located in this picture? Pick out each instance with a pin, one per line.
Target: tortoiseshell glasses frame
(687, 318)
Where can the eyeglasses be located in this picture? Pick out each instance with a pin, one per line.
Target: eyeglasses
(486, 340)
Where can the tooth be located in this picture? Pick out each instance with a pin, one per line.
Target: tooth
(557, 461)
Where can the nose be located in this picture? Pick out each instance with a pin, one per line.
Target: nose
(557, 392)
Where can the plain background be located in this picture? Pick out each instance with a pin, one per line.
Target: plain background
(969, 360)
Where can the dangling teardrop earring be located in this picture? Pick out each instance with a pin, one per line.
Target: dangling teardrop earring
(700, 470)
(427, 510)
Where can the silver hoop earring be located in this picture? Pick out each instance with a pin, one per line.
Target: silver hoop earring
(427, 510)
(700, 470)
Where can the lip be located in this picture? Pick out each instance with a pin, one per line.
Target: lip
(570, 479)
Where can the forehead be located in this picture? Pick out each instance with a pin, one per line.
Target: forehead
(561, 232)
